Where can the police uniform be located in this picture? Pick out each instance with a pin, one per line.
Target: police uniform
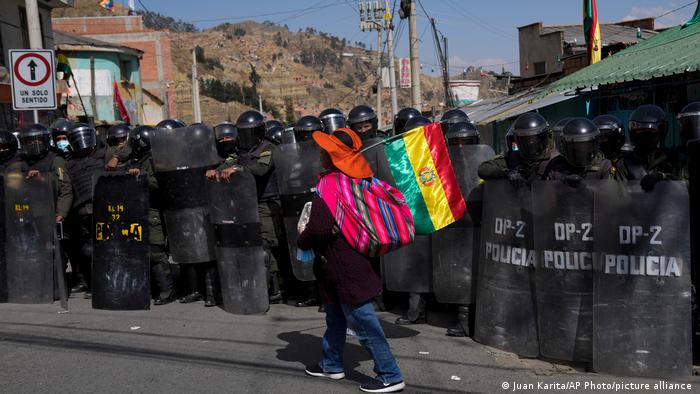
(600, 168)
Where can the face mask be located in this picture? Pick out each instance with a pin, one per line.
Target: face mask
(225, 148)
(63, 145)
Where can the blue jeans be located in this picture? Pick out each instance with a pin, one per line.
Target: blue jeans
(362, 319)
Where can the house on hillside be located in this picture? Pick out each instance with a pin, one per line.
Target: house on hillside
(548, 53)
(157, 70)
(115, 70)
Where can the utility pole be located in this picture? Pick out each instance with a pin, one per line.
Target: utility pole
(34, 27)
(196, 110)
(260, 102)
(416, 101)
(376, 15)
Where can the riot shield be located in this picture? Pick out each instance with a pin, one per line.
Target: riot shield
(409, 269)
(120, 259)
(456, 247)
(298, 167)
(694, 194)
(641, 281)
(3, 261)
(239, 253)
(505, 299)
(563, 224)
(181, 157)
(30, 219)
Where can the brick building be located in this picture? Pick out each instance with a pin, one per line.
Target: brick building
(157, 72)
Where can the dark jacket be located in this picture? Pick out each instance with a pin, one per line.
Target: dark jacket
(344, 276)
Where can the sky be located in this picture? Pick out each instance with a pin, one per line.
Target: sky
(480, 33)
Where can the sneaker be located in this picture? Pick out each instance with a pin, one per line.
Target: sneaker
(376, 386)
(315, 370)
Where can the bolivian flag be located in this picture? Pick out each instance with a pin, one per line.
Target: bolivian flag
(591, 30)
(423, 172)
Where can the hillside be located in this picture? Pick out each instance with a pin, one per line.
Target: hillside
(296, 73)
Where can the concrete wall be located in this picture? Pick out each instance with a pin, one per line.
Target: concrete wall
(11, 32)
(536, 48)
(157, 74)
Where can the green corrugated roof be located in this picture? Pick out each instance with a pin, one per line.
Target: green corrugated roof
(673, 51)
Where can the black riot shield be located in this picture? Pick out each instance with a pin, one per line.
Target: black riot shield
(3, 261)
(641, 281)
(563, 224)
(456, 247)
(239, 253)
(505, 306)
(298, 167)
(181, 157)
(30, 219)
(409, 269)
(120, 260)
(694, 194)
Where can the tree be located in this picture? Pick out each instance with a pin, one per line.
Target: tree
(254, 77)
(289, 110)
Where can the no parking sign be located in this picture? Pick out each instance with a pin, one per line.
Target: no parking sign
(33, 82)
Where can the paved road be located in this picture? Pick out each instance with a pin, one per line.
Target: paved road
(191, 349)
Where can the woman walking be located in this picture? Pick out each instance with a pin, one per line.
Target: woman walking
(346, 278)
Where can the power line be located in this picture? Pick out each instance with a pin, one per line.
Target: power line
(677, 9)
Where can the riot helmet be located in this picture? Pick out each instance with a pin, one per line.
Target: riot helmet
(363, 120)
(35, 140)
(118, 134)
(402, 117)
(226, 135)
(531, 133)
(612, 134)
(82, 139)
(579, 142)
(332, 119)
(141, 139)
(170, 124)
(689, 122)
(415, 122)
(647, 128)
(557, 130)
(453, 116)
(8, 145)
(59, 134)
(273, 131)
(306, 126)
(288, 134)
(251, 129)
(462, 133)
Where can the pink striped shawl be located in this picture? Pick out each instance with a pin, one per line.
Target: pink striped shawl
(372, 215)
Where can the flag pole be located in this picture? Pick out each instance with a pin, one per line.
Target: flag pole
(384, 141)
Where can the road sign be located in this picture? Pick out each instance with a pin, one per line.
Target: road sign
(405, 72)
(33, 81)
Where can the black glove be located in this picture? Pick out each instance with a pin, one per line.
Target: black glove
(650, 180)
(572, 180)
(515, 178)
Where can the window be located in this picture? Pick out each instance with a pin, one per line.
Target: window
(125, 70)
(24, 27)
(540, 68)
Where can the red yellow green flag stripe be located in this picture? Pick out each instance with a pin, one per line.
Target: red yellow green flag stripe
(422, 169)
(591, 30)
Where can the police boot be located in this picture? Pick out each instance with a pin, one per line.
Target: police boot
(191, 276)
(416, 311)
(210, 285)
(164, 284)
(461, 329)
(275, 294)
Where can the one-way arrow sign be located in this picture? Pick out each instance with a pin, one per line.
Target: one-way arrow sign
(32, 70)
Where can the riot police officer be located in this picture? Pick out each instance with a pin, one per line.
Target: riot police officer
(612, 138)
(363, 120)
(141, 164)
(8, 149)
(532, 137)
(37, 158)
(170, 124)
(274, 131)
(117, 137)
(59, 136)
(557, 130)
(580, 157)
(415, 122)
(288, 134)
(86, 162)
(649, 161)
(256, 158)
(332, 119)
(451, 117)
(305, 126)
(402, 117)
